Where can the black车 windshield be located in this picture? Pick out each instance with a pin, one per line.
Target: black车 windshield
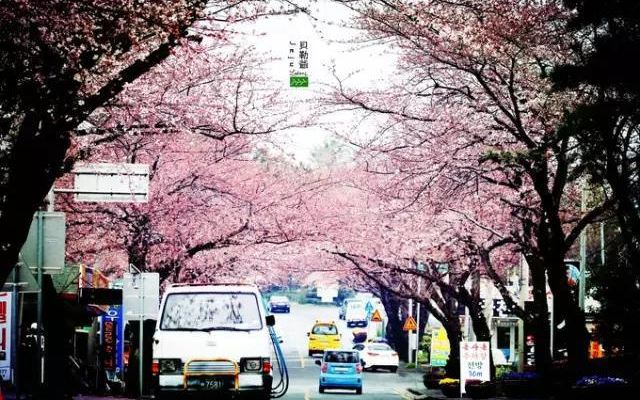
(211, 311)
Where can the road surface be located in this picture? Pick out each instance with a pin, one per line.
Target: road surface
(304, 372)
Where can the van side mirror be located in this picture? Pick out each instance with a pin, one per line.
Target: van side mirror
(271, 320)
(318, 362)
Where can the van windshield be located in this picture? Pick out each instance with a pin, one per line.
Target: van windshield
(211, 311)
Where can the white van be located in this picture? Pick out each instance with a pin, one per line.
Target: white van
(213, 339)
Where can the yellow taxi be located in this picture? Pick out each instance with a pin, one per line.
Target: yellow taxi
(323, 336)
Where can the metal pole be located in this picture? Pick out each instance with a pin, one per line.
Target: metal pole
(14, 332)
(40, 259)
(583, 251)
(418, 320)
(410, 355)
(524, 293)
(602, 251)
(553, 326)
(141, 361)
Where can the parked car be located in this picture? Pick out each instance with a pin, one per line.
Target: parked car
(323, 336)
(279, 304)
(340, 369)
(377, 355)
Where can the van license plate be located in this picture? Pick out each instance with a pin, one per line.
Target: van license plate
(206, 383)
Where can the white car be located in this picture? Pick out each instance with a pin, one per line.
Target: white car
(378, 355)
(213, 340)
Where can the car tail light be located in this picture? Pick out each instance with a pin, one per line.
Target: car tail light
(266, 366)
(155, 367)
(324, 367)
(373, 354)
(359, 368)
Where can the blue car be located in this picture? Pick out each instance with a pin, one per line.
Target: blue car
(340, 369)
(279, 304)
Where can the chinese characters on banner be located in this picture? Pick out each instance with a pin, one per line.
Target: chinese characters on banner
(298, 59)
(112, 339)
(474, 362)
(5, 335)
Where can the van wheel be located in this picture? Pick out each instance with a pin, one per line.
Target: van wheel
(394, 369)
(321, 389)
(359, 390)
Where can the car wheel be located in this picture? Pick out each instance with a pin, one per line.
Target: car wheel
(359, 390)
(394, 369)
(321, 389)
(310, 353)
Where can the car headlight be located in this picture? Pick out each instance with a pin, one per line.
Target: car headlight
(252, 364)
(170, 366)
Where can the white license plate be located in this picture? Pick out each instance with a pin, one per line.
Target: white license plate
(206, 383)
(341, 369)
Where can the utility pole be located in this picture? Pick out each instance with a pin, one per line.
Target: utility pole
(524, 293)
(602, 249)
(409, 341)
(583, 250)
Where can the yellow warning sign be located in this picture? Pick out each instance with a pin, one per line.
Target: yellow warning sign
(376, 317)
(410, 324)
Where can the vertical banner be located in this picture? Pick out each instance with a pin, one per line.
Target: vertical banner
(113, 339)
(298, 59)
(5, 335)
(440, 348)
(474, 362)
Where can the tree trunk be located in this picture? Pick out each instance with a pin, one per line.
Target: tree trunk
(37, 159)
(540, 320)
(454, 333)
(567, 311)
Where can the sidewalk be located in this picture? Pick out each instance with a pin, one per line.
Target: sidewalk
(435, 394)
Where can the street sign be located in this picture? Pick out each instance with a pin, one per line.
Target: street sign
(105, 182)
(440, 348)
(376, 317)
(24, 279)
(474, 362)
(6, 310)
(141, 295)
(52, 232)
(410, 324)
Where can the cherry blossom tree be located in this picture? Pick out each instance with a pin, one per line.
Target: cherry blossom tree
(61, 61)
(475, 107)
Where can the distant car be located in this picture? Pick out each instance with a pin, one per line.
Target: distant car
(323, 336)
(279, 304)
(340, 369)
(356, 314)
(377, 355)
(378, 339)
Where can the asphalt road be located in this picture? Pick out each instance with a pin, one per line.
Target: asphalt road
(304, 372)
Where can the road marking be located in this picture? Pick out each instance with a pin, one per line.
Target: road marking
(306, 394)
(403, 393)
(301, 359)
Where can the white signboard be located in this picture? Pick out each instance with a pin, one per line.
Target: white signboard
(141, 295)
(474, 362)
(106, 182)
(5, 335)
(53, 242)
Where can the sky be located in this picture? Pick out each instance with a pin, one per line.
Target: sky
(331, 44)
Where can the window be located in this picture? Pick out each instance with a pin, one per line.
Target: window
(211, 311)
(324, 329)
(380, 347)
(341, 357)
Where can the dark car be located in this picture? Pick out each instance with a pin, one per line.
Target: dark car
(279, 304)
